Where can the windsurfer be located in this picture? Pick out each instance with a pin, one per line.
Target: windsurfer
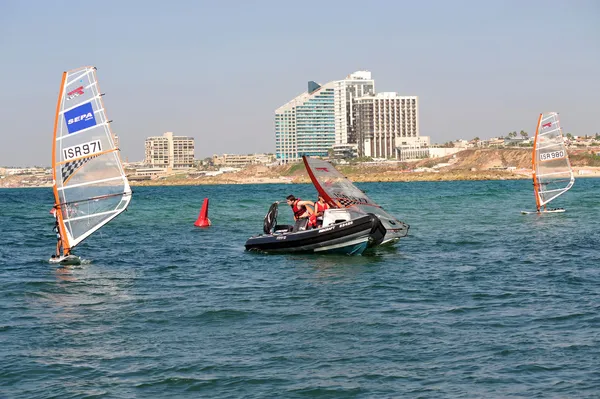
(56, 229)
(302, 209)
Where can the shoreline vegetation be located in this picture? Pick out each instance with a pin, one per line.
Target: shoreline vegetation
(470, 164)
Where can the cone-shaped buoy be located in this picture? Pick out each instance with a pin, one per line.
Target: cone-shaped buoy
(203, 220)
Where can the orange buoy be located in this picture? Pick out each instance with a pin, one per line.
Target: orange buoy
(203, 220)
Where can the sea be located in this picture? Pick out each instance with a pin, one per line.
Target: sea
(479, 301)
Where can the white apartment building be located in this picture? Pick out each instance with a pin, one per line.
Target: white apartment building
(240, 161)
(305, 125)
(347, 118)
(168, 151)
(355, 85)
(387, 124)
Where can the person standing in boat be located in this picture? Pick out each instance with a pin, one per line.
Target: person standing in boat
(301, 209)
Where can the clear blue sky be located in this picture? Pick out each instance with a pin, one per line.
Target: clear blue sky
(217, 70)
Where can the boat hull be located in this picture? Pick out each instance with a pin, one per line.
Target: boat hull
(348, 237)
(392, 236)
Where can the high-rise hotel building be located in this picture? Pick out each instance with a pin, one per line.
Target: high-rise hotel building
(305, 125)
(387, 123)
(320, 119)
(168, 151)
(346, 116)
(355, 85)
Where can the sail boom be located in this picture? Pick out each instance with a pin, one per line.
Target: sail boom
(123, 194)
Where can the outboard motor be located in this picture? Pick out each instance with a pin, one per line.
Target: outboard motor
(271, 218)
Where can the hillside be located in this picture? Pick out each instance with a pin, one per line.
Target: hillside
(471, 164)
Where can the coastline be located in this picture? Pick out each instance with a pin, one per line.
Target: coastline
(358, 178)
(400, 177)
(367, 175)
(470, 164)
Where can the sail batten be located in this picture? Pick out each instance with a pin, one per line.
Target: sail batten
(85, 157)
(80, 132)
(81, 76)
(90, 185)
(90, 216)
(552, 174)
(97, 97)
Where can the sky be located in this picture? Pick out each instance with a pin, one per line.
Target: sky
(217, 70)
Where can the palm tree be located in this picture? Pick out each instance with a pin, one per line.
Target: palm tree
(569, 136)
(524, 134)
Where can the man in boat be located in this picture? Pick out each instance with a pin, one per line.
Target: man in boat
(301, 209)
(56, 229)
(316, 219)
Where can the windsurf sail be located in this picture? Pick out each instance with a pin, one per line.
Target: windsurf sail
(338, 191)
(552, 172)
(89, 183)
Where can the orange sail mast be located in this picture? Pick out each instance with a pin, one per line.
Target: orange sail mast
(536, 184)
(59, 214)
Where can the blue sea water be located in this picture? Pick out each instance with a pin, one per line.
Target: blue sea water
(478, 301)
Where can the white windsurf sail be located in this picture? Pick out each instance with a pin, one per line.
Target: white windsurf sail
(552, 172)
(90, 185)
(337, 190)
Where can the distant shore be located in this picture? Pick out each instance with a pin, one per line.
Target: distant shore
(471, 164)
(364, 177)
(231, 178)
